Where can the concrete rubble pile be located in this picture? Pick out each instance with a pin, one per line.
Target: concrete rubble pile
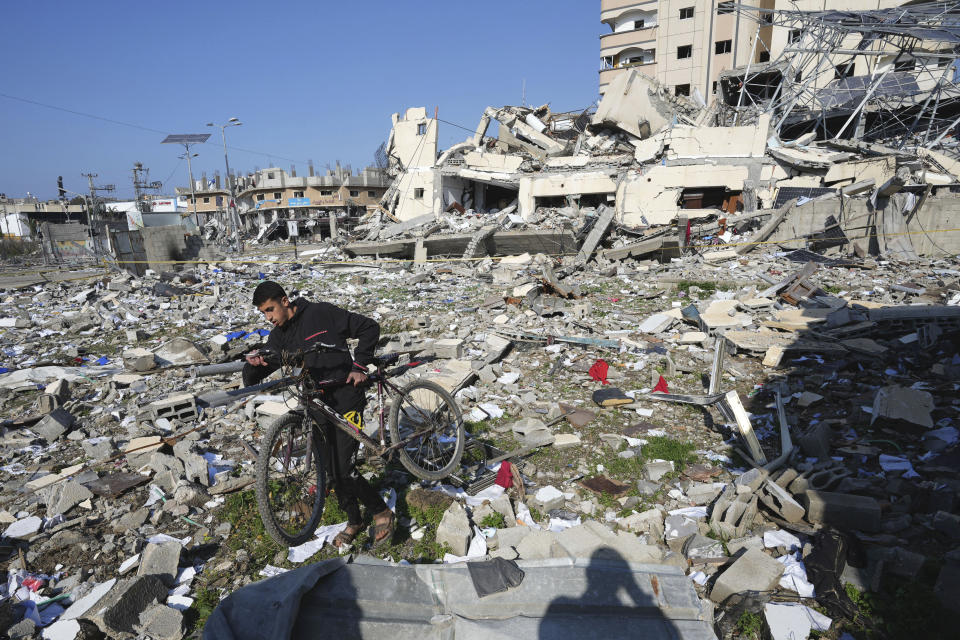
(729, 418)
(655, 175)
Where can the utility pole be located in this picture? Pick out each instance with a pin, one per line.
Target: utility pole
(92, 205)
(231, 206)
(141, 184)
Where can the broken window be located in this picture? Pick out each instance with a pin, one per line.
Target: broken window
(684, 51)
(418, 193)
(206, 200)
(714, 87)
(298, 194)
(795, 35)
(326, 192)
(682, 90)
(764, 56)
(260, 197)
(638, 24)
(606, 62)
(723, 46)
(686, 13)
(908, 64)
(844, 70)
(277, 195)
(725, 7)
(269, 176)
(422, 129)
(354, 193)
(371, 194)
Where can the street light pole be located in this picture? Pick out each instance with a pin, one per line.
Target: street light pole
(193, 193)
(231, 206)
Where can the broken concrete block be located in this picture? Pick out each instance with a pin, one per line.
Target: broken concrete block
(512, 537)
(161, 622)
(815, 441)
(540, 545)
(702, 493)
(580, 541)
(679, 527)
(566, 441)
(750, 481)
(501, 504)
(781, 502)
(138, 359)
(947, 523)
(117, 612)
(753, 571)
(180, 351)
(63, 496)
(548, 498)
(450, 348)
(698, 548)
(656, 469)
(161, 560)
(633, 549)
(54, 425)
(98, 448)
(903, 403)
(650, 522)
(842, 510)
(733, 513)
(454, 530)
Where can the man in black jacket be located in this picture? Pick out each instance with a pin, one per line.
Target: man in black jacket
(297, 325)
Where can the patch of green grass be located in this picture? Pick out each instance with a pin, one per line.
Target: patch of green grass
(750, 626)
(536, 515)
(247, 531)
(205, 600)
(832, 288)
(902, 609)
(704, 286)
(664, 448)
(495, 520)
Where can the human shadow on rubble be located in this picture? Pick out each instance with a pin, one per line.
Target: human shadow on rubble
(616, 603)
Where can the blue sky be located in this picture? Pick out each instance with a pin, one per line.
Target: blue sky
(310, 80)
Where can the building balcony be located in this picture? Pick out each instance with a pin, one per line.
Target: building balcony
(635, 38)
(646, 68)
(610, 10)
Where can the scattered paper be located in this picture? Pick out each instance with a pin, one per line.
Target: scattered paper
(794, 621)
(324, 535)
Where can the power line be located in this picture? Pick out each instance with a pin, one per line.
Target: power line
(141, 127)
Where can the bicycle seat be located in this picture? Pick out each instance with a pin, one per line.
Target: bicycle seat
(386, 359)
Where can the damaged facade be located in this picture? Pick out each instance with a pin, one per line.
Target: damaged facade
(859, 117)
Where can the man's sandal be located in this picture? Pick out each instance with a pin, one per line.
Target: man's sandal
(346, 537)
(382, 533)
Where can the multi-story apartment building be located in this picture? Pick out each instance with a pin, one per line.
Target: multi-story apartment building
(686, 44)
(270, 194)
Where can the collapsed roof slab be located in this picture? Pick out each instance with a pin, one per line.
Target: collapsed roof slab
(493, 161)
(718, 142)
(631, 103)
(501, 243)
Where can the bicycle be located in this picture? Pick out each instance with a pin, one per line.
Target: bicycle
(425, 428)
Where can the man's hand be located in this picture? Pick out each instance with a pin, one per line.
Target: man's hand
(356, 378)
(256, 359)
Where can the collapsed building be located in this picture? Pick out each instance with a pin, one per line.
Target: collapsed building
(845, 143)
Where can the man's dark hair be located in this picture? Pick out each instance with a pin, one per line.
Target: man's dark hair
(267, 290)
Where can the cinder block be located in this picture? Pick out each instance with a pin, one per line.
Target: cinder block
(842, 510)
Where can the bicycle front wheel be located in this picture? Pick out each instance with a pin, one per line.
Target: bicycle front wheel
(426, 417)
(290, 483)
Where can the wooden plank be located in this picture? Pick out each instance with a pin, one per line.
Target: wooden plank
(732, 398)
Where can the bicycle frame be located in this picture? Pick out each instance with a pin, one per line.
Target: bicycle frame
(308, 397)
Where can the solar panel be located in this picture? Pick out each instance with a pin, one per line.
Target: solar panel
(186, 138)
(786, 194)
(851, 91)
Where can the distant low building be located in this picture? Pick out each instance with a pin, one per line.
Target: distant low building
(19, 217)
(272, 194)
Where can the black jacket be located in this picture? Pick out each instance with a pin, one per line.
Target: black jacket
(314, 322)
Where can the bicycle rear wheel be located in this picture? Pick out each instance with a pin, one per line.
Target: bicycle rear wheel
(290, 493)
(426, 408)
